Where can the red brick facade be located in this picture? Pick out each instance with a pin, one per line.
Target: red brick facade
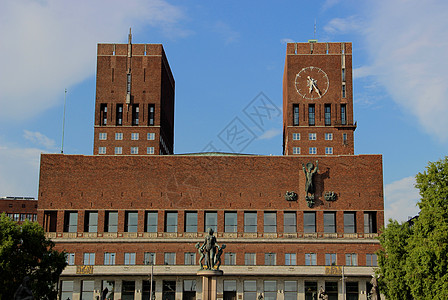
(19, 209)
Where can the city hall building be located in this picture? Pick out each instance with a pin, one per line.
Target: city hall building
(292, 224)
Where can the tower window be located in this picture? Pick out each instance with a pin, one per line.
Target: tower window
(134, 136)
(151, 136)
(311, 115)
(103, 136)
(101, 150)
(312, 136)
(344, 138)
(343, 91)
(295, 109)
(103, 114)
(328, 136)
(313, 150)
(119, 114)
(327, 114)
(128, 84)
(343, 114)
(135, 114)
(118, 136)
(328, 150)
(343, 74)
(149, 150)
(296, 136)
(295, 150)
(151, 109)
(118, 150)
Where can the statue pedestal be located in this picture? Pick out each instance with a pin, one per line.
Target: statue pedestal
(209, 283)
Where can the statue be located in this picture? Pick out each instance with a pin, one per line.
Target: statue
(290, 196)
(210, 251)
(24, 292)
(309, 171)
(374, 293)
(322, 295)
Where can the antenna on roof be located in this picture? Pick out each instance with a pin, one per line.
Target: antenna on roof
(63, 123)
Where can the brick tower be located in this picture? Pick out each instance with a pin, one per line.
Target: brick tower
(134, 107)
(318, 99)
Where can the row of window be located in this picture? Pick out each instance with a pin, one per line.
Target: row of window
(135, 136)
(313, 136)
(312, 114)
(22, 217)
(270, 288)
(312, 150)
(211, 221)
(270, 259)
(119, 150)
(119, 114)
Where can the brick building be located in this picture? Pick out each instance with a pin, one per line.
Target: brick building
(122, 215)
(19, 209)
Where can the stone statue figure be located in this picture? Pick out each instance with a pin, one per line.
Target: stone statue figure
(218, 256)
(322, 295)
(309, 174)
(202, 255)
(210, 251)
(374, 293)
(24, 292)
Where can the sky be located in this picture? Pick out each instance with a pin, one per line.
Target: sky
(225, 56)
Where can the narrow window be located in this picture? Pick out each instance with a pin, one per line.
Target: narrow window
(270, 222)
(128, 83)
(349, 222)
(370, 222)
(135, 114)
(71, 221)
(151, 109)
(343, 91)
(149, 258)
(330, 259)
(351, 259)
(310, 259)
(289, 222)
(309, 222)
(343, 74)
(295, 108)
(131, 221)
(311, 115)
(250, 222)
(327, 109)
(171, 222)
(103, 114)
(229, 258)
(111, 221)
(91, 221)
(329, 222)
(191, 222)
(249, 259)
(343, 114)
(151, 221)
(230, 222)
(211, 221)
(344, 138)
(119, 120)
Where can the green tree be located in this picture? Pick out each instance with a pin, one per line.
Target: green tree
(25, 251)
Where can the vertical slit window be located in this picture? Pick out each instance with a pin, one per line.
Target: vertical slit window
(103, 114)
(343, 114)
(119, 114)
(295, 109)
(343, 91)
(135, 115)
(327, 114)
(311, 115)
(128, 84)
(343, 74)
(151, 109)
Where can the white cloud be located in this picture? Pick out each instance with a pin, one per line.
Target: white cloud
(286, 40)
(407, 43)
(49, 45)
(342, 26)
(401, 199)
(269, 134)
(39, 139)
(330, 3)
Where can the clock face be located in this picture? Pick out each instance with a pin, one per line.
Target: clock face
(312, 83)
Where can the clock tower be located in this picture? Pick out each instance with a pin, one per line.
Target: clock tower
(318, 99)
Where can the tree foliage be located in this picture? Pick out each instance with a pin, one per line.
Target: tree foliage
(24, 250)
(415, 258)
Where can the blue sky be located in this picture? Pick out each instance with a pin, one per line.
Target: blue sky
(223, 54)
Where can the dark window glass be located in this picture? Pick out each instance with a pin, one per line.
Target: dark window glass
(171, 222)
(343, 114)
(111, 221)
(311, 115)
(329, 222)
(71, 221)
(309, 222)
(230, 222)
(289, 220)
(151, 221)
(191, 222)
(327, 114)
(119, 114)
(331, 288)
(295, 108)
(128, 289)
(349, 222)
(91, 221)
(370, 222)
(128, 83)
(151, 109)
(131, 222)
(135, 114)
(211, 221)
(343, 91)
(103, 114)
(310, 290)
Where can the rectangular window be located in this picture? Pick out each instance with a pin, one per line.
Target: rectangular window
(66, 289)
(134, 150)
(343, 91)
(119, 120)
(111, 221)
(312, 136)
(290, 259)
(134, 136)
(87, 289)
(311, 115)
(151, 109)
(109, 259)
(249, 259)
(290, 290)
(370, 222)
(270, 259)
(296, 136)
(103, 136)
(103, 114)
(131, 221)
(127, 289)
(351, 290)
(229, 258)
(331, 288)
(211, 221)
(270, 289)
(344, 138)
(149, 150)
(295, 150)
(118, 136)
(371, 260)
(351, 259)
(129, 258)
(118, 150)
(310, 259)
(135, 114)
(191, 222)
(328, 150)
(151, 221)
(89, 259)
(343, 114)
(91, 221)
(170, 258)
(230, 222)
(270, 222)
(101, 150)
(343, 74)
(295, 108)
(250, 290)
(330, 259)
(128, 83)
(313, 150)
(329, 222)
(349, 222)
(70, 258)
(250, 222)
(70, 221)
(190, 258)
(309, 222)
(328, 136)
(327, 109)
(171, 222)
(289, 222)
(310, 290)
(149, 258)
(151, 136)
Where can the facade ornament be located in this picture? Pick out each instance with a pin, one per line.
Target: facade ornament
(210, 251)
(291, 196)
(309, 171)
(330, 196)
(322, 295)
